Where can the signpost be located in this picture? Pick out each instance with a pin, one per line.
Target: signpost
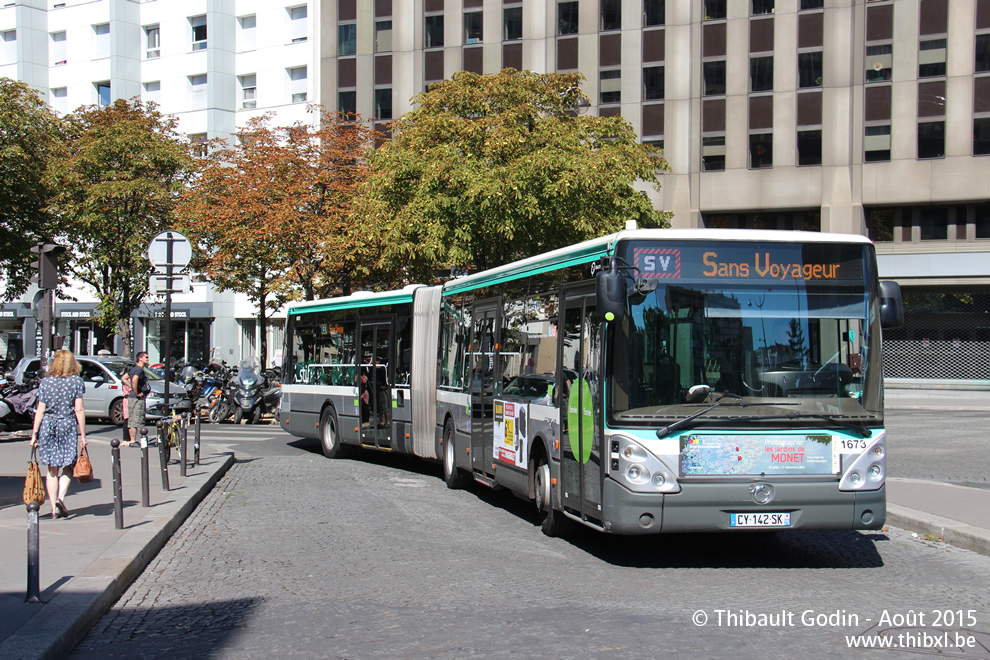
(170, 253)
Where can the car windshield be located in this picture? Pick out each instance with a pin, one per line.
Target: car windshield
(780, 346)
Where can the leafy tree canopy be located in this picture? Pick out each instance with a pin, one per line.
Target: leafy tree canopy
(116, 189)
(488, 169)
(30, 137)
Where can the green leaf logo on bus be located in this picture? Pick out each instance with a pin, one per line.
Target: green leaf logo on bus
(583, 424)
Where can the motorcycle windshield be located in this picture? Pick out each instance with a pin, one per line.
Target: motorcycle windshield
(247, 372)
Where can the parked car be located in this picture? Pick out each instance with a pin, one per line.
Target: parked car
(104, 397)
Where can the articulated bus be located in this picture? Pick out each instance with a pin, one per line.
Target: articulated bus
(644, 382)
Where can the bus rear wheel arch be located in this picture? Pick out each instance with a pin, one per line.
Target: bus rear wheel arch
(552, 521)
(330, 434)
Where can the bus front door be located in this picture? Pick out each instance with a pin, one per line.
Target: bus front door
(581, 460)
(374, 384)
(483, 361)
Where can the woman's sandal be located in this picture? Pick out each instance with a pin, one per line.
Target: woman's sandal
(62, 511)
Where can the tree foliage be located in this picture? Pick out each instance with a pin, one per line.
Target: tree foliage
(30, 138)
(270, 214)
(488, 169)
(116, 189)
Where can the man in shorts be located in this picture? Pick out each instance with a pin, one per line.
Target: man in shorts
(138, 382)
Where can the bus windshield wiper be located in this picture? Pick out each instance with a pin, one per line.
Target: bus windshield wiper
(681, 423)
(838, 421)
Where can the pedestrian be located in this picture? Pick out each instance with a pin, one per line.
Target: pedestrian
(137, 380)
(126, 389)
(60, 419)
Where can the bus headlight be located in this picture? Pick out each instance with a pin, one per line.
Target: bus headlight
(869, 469)
(638, 469)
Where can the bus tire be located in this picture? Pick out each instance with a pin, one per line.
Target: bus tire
(329, 436)
(453, 476)
(552, 522)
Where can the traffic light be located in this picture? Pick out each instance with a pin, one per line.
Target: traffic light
(46, 265)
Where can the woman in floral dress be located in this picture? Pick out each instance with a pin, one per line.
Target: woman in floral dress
(58, 422)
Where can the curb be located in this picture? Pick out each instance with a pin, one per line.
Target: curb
(950, 531)
(64, 621)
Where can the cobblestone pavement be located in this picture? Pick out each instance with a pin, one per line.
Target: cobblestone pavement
(374, 558)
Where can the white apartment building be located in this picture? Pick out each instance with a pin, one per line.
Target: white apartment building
(213, 64)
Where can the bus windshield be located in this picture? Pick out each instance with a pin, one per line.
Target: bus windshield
(777, 345)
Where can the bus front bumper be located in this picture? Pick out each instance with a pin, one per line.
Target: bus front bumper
(706, 507)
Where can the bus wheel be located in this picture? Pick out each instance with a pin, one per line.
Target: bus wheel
(452, 475)
(329, 439)
(552, 521)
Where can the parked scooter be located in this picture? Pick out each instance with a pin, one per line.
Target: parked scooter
(257, 394)
(18, 403)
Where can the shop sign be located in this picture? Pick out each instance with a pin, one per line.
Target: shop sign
(182, 314)
(75, 314)
(8, 313)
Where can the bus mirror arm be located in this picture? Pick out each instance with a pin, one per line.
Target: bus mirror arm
(891, 305)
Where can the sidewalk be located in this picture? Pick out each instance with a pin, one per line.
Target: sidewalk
(86, 563)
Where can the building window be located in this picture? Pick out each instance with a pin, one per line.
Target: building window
(103, 97)
(434, 31)
(347, 39)
(611, 15)
(298, 84)
(152, 92)
(931, 58)
(714, 10)
(982, 52)
(512, 23)
(812, 4)
(761, 7)
(298, 29)
(652, 83)
(761, 74)
(879, 62)
(981, 136)
(9, 47)
(347, 103)
(60, 100)
(931, 139)
(933, 223)
(249, 91)
(473, 27)
(714, 75)
(246, 31)
(153, 43)
(810, 69)
(198, 24)
(876, 143)
(567, 18)
(383, 36)
(809, 145)
(197, 92)
(610, 89)
(713, 153)
(383, 103)
(197, 142)
(982, 221)
(654, 12)
(102, 33)
(760, 150)
(58, 48)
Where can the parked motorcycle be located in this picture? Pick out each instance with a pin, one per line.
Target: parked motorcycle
(257, 393)
(18, 403)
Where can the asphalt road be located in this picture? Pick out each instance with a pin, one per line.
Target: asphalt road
(294, 555)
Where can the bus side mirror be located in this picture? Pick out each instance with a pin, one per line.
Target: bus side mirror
(610, 287)
(891, 305)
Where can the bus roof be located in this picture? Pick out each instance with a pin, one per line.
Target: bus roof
(597, 248)
(357, 299)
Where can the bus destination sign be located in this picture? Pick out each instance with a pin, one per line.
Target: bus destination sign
(763, 262)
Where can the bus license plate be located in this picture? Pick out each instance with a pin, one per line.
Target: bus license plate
(759, 520)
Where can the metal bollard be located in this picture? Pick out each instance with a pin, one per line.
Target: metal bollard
(196, 443)
(162, 461)
(34, 556)
(183, 428)
(145, 488)
(118, 503)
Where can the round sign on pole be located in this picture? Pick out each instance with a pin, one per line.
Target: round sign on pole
(181, 249)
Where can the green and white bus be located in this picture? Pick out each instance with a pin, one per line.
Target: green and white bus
(648, 381)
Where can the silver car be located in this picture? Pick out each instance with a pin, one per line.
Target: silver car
(104, 397)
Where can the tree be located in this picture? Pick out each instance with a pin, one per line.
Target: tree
(269, 215)
(488, 169)
(117, 188)
(30, 138)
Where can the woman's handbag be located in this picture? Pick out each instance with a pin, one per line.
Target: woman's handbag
(34, 487)
(83, 471)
